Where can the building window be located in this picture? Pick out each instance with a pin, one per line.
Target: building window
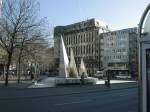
(89, 49)
(89, 37)
(76, 51)
(66, 41)
(92, 49)
(86, 49)
(84, 37)
(69, 51)
(78, 38)
(74, 39)
(81, 50)
(69, 40)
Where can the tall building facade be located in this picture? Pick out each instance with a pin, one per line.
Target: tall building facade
(82, 38)
(118, 51)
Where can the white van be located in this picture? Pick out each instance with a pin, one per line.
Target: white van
(123, 76)
(99, 74)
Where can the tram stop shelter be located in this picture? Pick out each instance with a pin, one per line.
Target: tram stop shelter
(144, 61)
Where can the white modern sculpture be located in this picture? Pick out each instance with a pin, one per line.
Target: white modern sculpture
(82, 68)
(72, 65)
(1, 3)
(63, 61)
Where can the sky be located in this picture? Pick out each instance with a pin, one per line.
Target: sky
(118, 14)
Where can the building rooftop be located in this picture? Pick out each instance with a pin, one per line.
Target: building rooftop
(134, 29)
(81, 25)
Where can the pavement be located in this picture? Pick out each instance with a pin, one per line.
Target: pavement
(51, 82)
(44, 82)
(14, 84)
(118, 98)
(24, 82)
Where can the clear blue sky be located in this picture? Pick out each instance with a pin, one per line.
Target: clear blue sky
(118, 14)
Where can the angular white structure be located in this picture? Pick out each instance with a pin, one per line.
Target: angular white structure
(1, 3)
(82, 68)
(63, 61)
(72, 65)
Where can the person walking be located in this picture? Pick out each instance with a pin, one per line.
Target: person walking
(32, 76)
(82, 78)
(107, 82)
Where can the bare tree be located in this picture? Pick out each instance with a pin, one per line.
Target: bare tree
(34, 51)
(19, 20)
(31, 45)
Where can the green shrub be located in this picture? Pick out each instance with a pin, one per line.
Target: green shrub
(72, 73)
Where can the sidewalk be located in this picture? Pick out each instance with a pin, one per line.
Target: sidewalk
(52, 82)
(24, 83)
(14, 84)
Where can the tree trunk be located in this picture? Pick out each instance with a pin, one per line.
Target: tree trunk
(4, 72)
(19, 65)
(7, 68)
(19, 59)
(18, 71)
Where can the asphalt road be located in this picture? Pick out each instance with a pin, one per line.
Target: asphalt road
(119, 98)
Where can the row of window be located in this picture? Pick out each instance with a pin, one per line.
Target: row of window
(119, 50)
(115, 57)
(80, 38)
(115, 33)
(109, 51)
(114, 44)
(120, 37)
(111, 38)
(87, 59)
(81, 50)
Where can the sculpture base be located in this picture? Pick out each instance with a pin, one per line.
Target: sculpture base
(75, 81)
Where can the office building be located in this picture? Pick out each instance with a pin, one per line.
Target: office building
(82, 38)
(118, 51)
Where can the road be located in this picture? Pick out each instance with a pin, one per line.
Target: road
(119, 98)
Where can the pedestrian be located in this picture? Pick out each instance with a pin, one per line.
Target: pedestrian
(82, 78)
(32, 76)
(108, 79)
